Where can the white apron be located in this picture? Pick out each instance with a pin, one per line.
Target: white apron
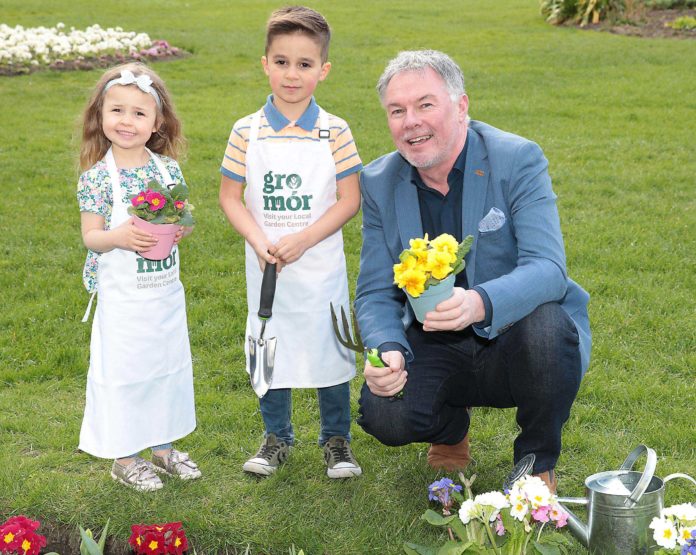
(140, 380)
(290, 185)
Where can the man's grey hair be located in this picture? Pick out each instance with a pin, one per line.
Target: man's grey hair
(419, 60)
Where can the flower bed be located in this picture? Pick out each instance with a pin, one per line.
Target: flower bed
(23, 50)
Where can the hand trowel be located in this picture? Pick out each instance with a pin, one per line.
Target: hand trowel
(262, 351)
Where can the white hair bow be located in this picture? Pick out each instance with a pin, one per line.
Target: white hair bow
(143, 82)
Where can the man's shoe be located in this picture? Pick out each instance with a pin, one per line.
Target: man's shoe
(549, 478)
(339, 459)
(272, 453)
(450, 457)
(138, 475)
(176, 464)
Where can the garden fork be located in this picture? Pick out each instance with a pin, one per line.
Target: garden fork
(348, 341)
(354, 342)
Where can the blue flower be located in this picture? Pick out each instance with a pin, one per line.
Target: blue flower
(440, 491)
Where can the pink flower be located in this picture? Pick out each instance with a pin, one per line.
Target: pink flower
(138, 200)
(558, 515)
(155, 200)
(499, 528)
(541, 514)
(179, 204)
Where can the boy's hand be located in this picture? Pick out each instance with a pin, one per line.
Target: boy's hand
(184, 231)
(131, 238)
(263, 248)
(291, 247)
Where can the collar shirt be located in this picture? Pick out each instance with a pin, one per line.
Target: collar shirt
(278, 121)
(443, 213)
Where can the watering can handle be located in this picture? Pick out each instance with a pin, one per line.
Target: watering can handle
(648, 473)
(678, 475)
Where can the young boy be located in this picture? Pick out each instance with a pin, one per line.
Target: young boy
(295, 160)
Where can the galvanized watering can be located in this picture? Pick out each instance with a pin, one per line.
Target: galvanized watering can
(620, 506)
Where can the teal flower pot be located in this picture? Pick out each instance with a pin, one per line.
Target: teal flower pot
(431, 297)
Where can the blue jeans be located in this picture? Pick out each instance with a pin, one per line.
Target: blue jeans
(334, 412)
(534, 366)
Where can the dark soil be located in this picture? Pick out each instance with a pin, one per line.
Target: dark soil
(649, 24)
(65, 540)
(92, 63)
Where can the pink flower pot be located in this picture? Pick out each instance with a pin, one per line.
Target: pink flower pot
(164, 232)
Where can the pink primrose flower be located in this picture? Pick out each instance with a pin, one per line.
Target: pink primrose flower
(499, 528)
(541, 514)
(179, 204)
(138, 200)
(155, 200)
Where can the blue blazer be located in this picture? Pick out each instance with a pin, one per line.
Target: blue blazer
(518, 259)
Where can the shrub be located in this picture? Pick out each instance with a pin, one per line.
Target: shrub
(686, 23)
(580, 11)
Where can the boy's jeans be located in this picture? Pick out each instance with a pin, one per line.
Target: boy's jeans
(334, 411)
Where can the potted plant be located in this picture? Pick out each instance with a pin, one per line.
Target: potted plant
(161, 211)
(427, 269)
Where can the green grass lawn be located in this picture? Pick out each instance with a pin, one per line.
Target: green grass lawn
(616, 118)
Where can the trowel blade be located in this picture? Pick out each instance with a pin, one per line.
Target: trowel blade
(261, 362)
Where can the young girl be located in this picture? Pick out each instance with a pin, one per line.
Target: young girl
(140, 380)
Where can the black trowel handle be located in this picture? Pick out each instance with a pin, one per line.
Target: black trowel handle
(268, 287)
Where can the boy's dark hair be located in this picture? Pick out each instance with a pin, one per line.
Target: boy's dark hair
(299, 19)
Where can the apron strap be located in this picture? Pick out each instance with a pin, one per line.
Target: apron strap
(168, 181)
(324, 130)
(89, 307)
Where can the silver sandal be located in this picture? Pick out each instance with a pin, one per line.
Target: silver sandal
(138, 475)
(176, 464)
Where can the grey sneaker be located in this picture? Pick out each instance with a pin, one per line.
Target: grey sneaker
(272, 453)
(138, 475)
(176, 464)
(339, 459)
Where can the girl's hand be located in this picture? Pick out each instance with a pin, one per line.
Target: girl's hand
(131, 238)
(184, 231)
(291, 247)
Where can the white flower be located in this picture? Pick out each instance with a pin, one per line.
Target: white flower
(665, 533)
(684, 512)
(518, 509)
(534, 490)
(469, 510)
(493, 499)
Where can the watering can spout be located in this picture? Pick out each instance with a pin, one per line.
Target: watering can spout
(577, 527)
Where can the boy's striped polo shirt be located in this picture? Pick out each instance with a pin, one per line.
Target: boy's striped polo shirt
(274, 126)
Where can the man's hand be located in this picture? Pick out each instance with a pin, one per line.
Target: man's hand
(387, 381)
(463, 308)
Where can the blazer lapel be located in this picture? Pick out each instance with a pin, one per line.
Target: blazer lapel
(476, 178)
(408, 214)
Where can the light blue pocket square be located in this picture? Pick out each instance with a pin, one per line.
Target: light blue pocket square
(494, 220)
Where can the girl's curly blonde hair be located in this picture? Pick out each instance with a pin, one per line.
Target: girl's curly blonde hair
(167, 140)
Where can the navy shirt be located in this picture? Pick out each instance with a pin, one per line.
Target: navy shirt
(443, 214)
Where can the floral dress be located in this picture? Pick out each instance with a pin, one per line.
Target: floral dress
(94, 195)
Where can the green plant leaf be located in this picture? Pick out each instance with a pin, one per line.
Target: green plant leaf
(458, 526)
(436, 519)
(453, 548)
(544, 549)
(186, 220)
(102, 536)
(416, 549)
(179, 192)
(88, 545)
